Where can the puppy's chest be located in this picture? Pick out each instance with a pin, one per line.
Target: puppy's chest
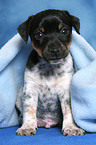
(50, 77)
(47, 70)
(53, 77)
(49, 82)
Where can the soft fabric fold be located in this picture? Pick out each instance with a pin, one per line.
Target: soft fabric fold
(13, 58)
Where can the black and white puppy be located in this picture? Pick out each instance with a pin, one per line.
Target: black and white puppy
(45, 97)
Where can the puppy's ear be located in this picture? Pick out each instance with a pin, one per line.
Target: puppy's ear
(24, 29)
(75, 23)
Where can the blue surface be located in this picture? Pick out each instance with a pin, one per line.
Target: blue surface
(52, 136)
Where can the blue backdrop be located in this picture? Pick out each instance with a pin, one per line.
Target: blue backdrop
(14, 12)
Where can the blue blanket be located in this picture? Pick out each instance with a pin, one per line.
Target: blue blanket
(13, 58)
(83, 88)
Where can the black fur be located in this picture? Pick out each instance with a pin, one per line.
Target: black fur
(46, 35)
(28, 27)
(33, 59)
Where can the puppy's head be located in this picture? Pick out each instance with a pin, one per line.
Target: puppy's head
(51, 33)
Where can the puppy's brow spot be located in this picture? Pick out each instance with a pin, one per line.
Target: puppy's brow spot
(42, 29)
(60, 26)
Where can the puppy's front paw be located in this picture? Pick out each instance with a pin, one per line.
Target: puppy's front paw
(73, 131)
(26, 131)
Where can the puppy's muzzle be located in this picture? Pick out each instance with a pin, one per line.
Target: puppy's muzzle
(54, 51)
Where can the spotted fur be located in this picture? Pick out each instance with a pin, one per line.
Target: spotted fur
(46, 96)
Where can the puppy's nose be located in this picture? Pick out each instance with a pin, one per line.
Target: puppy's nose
(54, 49)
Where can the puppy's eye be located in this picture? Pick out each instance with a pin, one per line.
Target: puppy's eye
(65, 31)
(38, 35)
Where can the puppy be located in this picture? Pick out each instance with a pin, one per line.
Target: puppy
(45, 97)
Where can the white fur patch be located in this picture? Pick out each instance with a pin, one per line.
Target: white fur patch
(46, 86)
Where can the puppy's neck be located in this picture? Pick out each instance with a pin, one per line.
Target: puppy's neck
(38, 65)
(46, 69)
(45, 66)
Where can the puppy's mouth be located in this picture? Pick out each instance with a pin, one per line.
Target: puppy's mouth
(56, 61)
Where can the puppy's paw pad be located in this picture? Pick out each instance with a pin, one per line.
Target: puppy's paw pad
(26, 132)
(73, 131)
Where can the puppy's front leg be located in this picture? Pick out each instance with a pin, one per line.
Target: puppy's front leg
(30, 101)
(68, 127)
